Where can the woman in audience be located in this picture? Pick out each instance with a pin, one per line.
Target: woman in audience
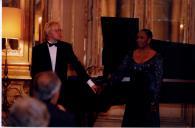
(143, 67)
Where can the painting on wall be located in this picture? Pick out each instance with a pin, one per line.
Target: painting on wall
(14, 47)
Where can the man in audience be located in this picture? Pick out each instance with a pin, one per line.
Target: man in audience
(46, 87)
(28, 112)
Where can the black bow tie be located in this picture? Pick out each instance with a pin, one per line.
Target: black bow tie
(52, 44)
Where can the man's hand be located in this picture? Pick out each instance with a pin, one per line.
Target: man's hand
(96, 89)
(61, 107)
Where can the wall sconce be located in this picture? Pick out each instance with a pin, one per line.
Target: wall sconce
(11, 29)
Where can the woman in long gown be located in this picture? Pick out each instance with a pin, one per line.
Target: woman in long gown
(144, 67)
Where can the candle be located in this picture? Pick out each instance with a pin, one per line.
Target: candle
(40, 35)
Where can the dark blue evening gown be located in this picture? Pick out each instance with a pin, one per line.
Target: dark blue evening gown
(145, 81)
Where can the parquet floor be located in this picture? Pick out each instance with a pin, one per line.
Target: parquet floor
(112, 118)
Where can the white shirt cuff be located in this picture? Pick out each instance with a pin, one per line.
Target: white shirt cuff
(90, 83)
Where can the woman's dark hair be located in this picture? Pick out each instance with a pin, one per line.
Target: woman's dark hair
(148, 32)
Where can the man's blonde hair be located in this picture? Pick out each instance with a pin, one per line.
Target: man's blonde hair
(48, 26)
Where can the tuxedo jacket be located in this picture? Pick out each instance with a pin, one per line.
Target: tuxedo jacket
(41, 62)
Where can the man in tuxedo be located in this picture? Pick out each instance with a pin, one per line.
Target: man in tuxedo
(55, 55)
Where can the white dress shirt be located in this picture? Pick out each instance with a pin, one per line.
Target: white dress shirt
(53, 54)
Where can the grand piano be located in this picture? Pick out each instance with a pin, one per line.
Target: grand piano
(178, 85)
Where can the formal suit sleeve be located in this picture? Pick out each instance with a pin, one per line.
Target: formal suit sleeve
(76, 64)
(34, 62)
(39, 60)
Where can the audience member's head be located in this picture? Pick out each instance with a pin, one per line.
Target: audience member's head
(46, 86)
(28, 112)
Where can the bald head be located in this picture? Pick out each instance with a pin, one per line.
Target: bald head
(46, 85)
